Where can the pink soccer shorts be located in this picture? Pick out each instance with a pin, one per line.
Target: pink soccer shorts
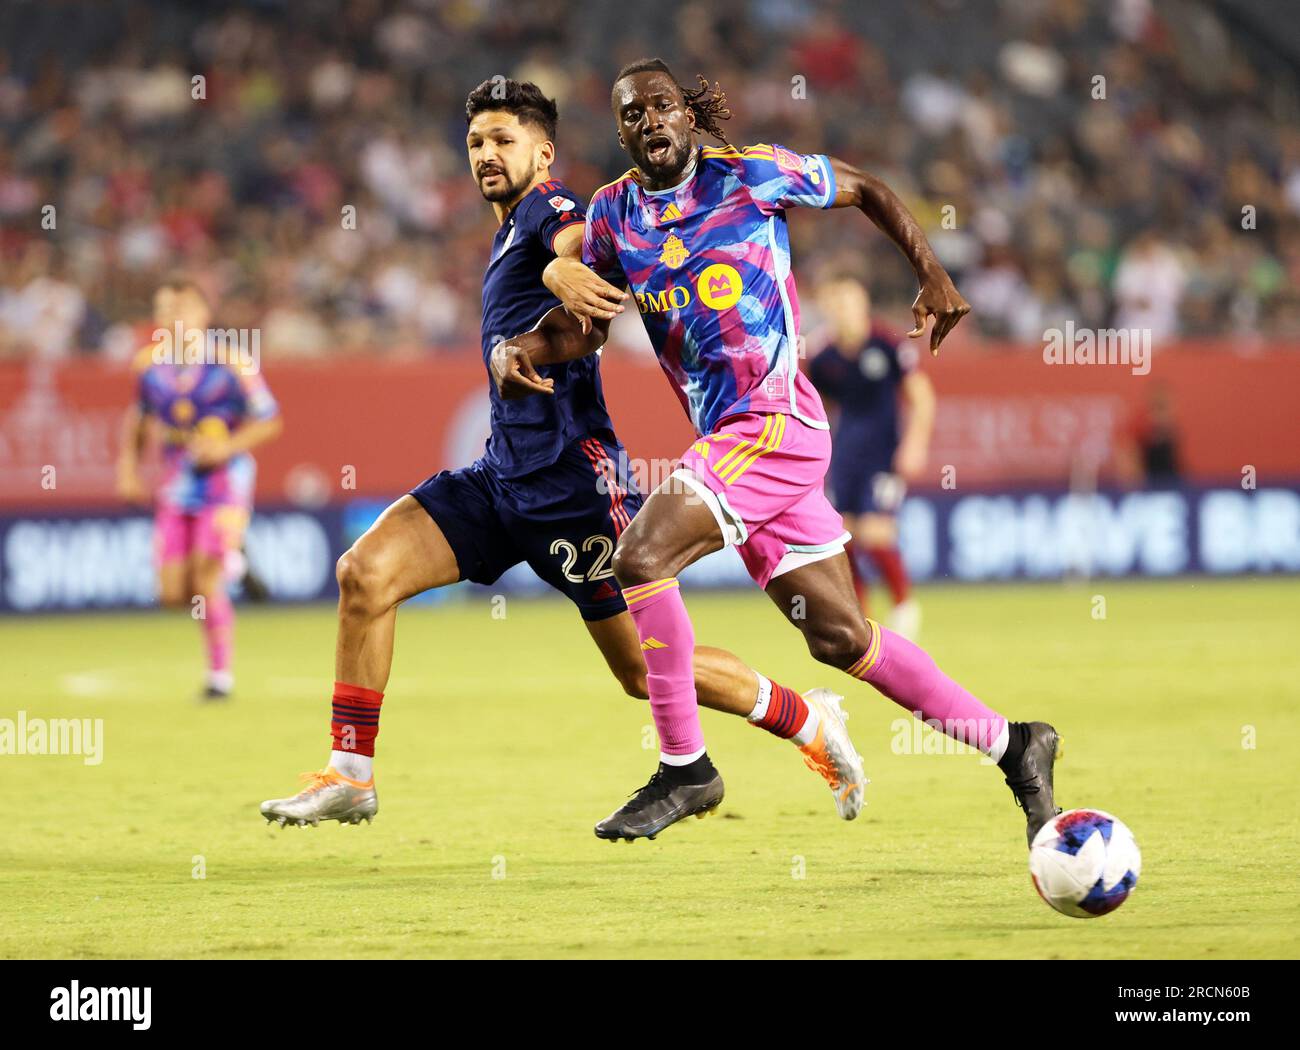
(212, 531)
(763, 477)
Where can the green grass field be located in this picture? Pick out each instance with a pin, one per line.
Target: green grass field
(503, 741)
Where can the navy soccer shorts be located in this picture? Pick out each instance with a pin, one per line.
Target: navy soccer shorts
(865, 484)
(563, 520)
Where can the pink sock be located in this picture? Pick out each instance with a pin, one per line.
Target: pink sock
(668, 643)
(909, 676)
(219, 631)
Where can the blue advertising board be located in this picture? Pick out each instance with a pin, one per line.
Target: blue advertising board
(68, 562)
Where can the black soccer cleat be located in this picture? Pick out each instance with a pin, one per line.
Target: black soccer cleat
(659, 804)
(1031, 781)
(255, 588)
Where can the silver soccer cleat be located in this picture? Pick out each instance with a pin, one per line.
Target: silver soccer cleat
(833, 755)
(329, 795)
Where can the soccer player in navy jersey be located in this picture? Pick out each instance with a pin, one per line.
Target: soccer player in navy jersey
(698, 234)
(552, 489)
(869, 375)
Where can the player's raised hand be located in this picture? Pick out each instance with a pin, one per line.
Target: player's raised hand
(940, 298)
(209, 451)
(584, 294)
(514, 374)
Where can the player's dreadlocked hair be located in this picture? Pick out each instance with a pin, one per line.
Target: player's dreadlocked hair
(709, 104)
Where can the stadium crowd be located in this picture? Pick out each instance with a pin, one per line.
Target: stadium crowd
(313, 176)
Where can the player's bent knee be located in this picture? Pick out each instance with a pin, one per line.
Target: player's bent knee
(837, 645)
(877, 536)
(361, 583)
(635, 564)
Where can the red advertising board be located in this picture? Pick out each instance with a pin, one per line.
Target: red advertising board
(373, 427)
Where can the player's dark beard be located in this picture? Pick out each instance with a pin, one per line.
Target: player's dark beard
(671, 171)
(511, 189)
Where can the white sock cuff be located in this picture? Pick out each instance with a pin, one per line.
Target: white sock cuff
(352, 765)
(999, 747)
(680, 760)
(764, 698)
(808, 731)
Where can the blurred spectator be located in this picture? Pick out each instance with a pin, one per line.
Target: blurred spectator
(308, 162)
(1149, 285)
(1153, 457)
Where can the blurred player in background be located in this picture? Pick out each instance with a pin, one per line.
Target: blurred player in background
(210, 414)
(868, 375)
(699, 234)
(553, 489)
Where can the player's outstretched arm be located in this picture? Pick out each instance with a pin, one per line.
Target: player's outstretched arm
(558, 337)
(575, 329)
(880, 204)
(584, 293)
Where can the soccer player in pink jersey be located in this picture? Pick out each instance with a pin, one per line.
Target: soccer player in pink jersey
(552, 482)
(210, 414)
(699, 235)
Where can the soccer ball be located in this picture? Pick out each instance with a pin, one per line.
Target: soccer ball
(1084, 863)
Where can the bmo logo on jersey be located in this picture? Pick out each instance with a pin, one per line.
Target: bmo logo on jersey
(718, 287)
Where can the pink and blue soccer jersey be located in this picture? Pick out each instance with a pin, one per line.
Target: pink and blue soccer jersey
(202, 399)
(708, 262)
(201, 511)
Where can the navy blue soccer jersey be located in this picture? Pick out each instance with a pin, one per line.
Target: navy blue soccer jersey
(533, 432)
(865, 388)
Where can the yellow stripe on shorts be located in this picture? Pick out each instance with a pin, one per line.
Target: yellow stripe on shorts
(739, 449)
(774, 432)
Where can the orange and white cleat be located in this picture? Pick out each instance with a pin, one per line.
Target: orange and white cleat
(833, 755)
(329, 795)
